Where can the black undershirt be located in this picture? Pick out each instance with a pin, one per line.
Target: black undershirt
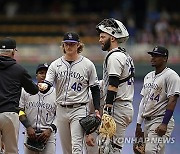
(70, 62)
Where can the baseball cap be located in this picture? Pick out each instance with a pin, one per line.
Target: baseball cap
(159, 50)
(8, 43)
(40, 66)
(71, 37)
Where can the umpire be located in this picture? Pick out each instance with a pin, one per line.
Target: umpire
(12, 78)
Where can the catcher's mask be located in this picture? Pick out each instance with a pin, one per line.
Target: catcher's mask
(114, 28)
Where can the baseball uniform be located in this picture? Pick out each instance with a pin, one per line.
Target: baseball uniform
(72, 94)
(40, 111)
(160, 92)
(156, 91)
(120, 64)
(118, 73)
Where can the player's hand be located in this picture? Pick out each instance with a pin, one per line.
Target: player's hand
(139, 133)
(45, 135)
(31, 132)
(161, 129)
(90, 141)
(42, 86)
(97, 113)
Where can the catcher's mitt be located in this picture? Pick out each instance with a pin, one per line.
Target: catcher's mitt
(108, 126)
(35, 144)
(139, 147)
(90, 123)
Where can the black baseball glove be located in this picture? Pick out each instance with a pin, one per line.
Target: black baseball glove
(35, 144)
(90, 123)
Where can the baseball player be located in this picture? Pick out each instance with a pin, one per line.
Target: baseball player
(12, 78)
(160, 92)
(38, 114)
(74, 75)
(118, 72)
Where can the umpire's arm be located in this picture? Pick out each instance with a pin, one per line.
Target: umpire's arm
(28, 85)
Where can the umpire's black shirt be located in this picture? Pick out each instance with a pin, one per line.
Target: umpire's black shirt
(12, 78)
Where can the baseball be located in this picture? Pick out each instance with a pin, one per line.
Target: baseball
(42, 86)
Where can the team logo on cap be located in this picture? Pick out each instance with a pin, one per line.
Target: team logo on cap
(46, 65)
(70, 36)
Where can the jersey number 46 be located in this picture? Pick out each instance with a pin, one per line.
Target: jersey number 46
(76, 86)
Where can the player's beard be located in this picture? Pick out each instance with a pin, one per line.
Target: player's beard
(107, 45)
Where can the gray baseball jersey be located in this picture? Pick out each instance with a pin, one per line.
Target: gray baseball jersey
(72, 88)
(72, 80)
(156, 90)
(40, 108)
(120, 64)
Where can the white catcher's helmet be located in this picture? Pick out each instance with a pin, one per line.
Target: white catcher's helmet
(114, 28)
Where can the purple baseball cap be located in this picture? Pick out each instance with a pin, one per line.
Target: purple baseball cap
(71, 37)
(40, 66)
(159, 50)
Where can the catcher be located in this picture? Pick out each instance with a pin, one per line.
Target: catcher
(37, 114)
(118, 76)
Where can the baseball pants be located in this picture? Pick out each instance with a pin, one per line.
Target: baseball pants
(154, 143)
(70, 131)
(92, 149)
(123, 114)
(9, 126)
(50, 146)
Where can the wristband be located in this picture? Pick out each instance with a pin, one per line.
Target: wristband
(21, 113)
(25, 123)
(111, 95)
(167, 116)
(53, 128)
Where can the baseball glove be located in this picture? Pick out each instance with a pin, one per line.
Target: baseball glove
(90, 123)
(35, 144)
(108, 126)
(139, 147)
